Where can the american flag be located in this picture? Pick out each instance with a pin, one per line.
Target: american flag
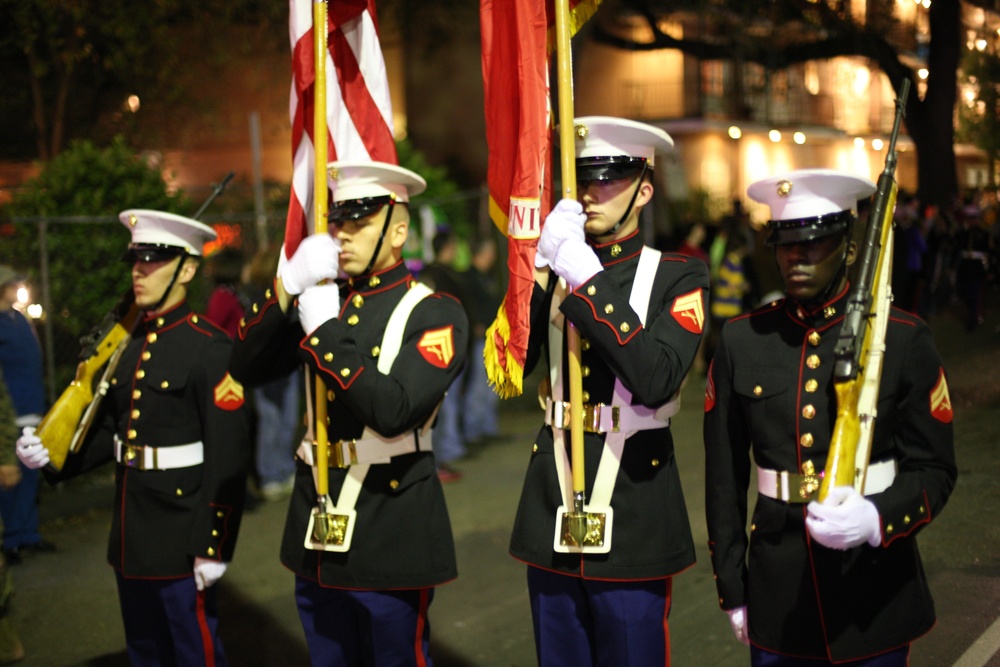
(358, 108)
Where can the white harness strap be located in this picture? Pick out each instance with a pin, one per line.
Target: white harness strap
(614, 441)
(392, 342)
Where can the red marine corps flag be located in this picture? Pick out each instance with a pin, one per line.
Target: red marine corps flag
(358, 109)
(515, 45)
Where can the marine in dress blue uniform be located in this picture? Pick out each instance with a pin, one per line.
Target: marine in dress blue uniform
(366, 604)
(175, 423)
(833, 583)
(609, 605)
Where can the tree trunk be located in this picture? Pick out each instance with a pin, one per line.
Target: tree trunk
(932, 126)
(38, 106)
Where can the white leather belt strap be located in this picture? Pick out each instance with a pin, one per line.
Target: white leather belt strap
(142, 457)
(785, 486)
(629, 418)
(369, 449)
(603, 418)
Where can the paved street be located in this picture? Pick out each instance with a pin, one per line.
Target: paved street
(66, 606)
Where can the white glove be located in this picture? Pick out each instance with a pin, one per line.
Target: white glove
(316, 259)
(564, 221)
(738, 621)
(844, 520)
(207, 572)
(564, 247)
(30, 450)
(317, 304)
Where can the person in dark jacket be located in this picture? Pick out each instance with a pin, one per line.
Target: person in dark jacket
(386, 349)
(838, 581)
(605, 599)
(175, 423)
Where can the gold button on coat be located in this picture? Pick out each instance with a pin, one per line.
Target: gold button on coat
(758, 390)
(806, 440)
(624, 327)
(353, 319)
(358, 300)
(591, 290)
(608, 309)
(809, 412)
(812, 385)
(814, 338)
(616, 250)
(812, 361)
(151, 338)
(374, 281)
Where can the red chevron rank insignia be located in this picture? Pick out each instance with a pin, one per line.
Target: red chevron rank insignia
(437, 346)
(941, 400)
(228, 394)
(689, 311)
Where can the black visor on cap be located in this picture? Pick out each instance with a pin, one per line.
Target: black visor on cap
(800, 230)
(608, 168)
(355, 209)
(151, 252)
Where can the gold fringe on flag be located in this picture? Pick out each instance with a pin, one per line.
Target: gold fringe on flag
(505, 375)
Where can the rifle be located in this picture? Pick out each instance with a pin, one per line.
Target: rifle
(65, 425)
(861, 342)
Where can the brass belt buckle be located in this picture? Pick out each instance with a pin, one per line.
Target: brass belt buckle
(592, 417)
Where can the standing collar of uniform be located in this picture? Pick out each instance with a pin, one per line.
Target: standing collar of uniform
(381, 281)
(157, 321)
(619, 250)
(815, 316)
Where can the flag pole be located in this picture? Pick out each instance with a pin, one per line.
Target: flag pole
(321, 517)
(567, 150)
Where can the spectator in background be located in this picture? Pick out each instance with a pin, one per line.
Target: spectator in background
(908, 255)
(693, 242)
(441, 276)
(226, 304)
(11, 649)
(730, 288)
(479, 401)
(973, 249)
(21, 364)
(278, 423)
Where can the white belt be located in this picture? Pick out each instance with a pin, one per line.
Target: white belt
(28, 420)
(365, 450)
(602, 418)
(794, 488)
(141, 457)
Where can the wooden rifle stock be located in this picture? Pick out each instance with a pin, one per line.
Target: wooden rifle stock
(64, 426)
(858, 353)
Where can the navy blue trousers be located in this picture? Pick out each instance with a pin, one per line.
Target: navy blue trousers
(580, 622)
(347, 628)
(170, 622)
(19, 511)
(761, 658)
